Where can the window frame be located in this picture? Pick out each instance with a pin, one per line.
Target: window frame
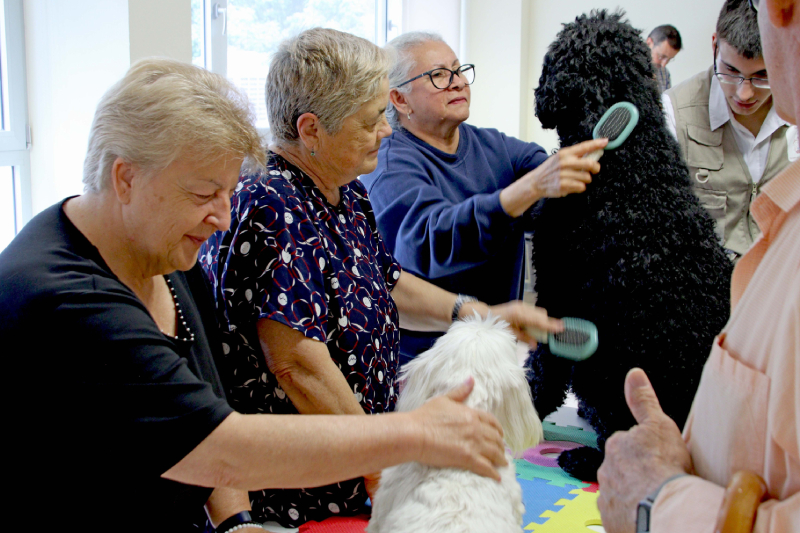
(16, 138)
(215, 16)
(215, 42)
(16, 142)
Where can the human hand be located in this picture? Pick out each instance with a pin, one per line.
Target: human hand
(456, 436)
(637, 461)
(565, 172)
(371, 484)
(524, 317)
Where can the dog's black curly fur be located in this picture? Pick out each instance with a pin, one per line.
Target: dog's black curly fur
(636, 253)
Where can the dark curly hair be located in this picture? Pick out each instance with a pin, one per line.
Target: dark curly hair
(737, 25)
(611, 64)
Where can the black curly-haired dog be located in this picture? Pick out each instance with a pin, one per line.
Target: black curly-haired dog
(636, 253)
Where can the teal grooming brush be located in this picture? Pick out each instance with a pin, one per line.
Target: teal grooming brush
(577, 342)
(615, 124)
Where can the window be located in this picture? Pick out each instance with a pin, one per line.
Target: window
(15, 197)
(237, 38)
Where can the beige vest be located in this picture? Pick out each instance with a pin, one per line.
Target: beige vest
(719, 174)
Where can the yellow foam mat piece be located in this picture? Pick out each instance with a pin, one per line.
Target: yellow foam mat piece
(574, 517)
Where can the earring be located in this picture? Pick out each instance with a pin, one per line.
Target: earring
(409, 115)
(313, 153)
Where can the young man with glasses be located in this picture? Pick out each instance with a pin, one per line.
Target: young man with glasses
(665, 43)
(731, 137)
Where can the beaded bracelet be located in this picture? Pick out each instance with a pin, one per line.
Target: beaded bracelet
(242, 526)
(461, 299)
(237, 522)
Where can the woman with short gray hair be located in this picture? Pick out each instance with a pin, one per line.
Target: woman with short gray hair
(449, 197)
(309, 296)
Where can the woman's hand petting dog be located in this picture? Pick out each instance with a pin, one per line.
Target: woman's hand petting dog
(371, 484)
(456, 436)
(639, 460)
(565, 172)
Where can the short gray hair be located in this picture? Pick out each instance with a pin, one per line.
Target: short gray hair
(669, 33)
(401, 47)
(163, 110)
(325, 72)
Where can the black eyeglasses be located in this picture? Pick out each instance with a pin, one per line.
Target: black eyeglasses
(664, 58)
(754, 4)
(442, 78)
(732, 79)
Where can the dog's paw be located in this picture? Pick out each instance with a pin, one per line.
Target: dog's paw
(581, 463)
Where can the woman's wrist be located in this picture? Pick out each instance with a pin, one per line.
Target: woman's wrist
(461, 300)
(470, 308)
(406, 437)
(519, 196)
(241, 520)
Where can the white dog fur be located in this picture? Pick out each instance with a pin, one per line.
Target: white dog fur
(421, 499)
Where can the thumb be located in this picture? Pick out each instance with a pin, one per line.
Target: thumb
(460, 393)
(640, 396)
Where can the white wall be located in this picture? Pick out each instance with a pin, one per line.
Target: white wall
(75, 50)
(494, 37)
(440, 16)
(160, 28)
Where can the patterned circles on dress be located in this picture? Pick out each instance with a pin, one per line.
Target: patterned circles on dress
(323, 270)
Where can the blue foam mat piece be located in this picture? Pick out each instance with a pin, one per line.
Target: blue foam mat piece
(539, 496)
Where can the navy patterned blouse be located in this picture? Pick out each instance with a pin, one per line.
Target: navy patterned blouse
(323, 270)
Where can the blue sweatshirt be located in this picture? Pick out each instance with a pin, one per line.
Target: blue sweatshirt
(441, 217)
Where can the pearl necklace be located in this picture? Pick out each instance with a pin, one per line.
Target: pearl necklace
(181, 320)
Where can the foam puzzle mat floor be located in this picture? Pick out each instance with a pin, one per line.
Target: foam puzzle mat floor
(554, 501)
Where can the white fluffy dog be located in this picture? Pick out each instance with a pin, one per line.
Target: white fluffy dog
(417, 498)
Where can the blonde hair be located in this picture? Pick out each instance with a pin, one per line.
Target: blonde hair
(164, 109)
(325, 72)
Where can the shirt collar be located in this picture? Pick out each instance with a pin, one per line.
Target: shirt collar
(719, 112)
(777, 198)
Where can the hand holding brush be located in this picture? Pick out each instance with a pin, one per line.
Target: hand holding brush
(565, 172)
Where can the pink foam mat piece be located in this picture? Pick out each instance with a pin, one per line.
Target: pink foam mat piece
(536, 455)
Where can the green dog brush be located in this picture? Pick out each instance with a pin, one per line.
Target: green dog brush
(615, 124)
(577, 342)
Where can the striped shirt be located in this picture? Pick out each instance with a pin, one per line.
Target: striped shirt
(663, 78)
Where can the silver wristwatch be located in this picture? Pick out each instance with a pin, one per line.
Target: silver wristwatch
(646, 506)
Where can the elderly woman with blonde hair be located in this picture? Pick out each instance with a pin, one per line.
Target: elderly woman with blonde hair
(309, 297)
(119, 420)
